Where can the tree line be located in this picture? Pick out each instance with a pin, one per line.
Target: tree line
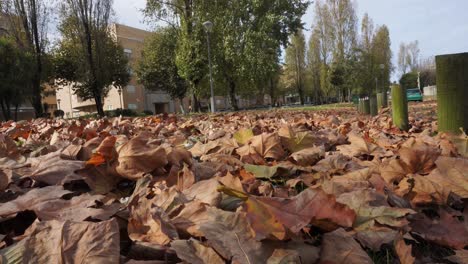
(258, 47)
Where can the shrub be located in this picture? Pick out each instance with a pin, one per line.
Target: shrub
(59, 113)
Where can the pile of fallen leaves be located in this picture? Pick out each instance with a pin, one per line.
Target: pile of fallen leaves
(249, 187)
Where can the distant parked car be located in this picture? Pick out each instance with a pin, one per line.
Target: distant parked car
(414, 95)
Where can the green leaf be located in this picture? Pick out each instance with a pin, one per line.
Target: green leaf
(264, 172)
(242, 136)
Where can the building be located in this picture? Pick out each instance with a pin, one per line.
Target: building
(134, 96)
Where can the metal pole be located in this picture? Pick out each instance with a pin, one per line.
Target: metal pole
(213, 109)
(120, 98)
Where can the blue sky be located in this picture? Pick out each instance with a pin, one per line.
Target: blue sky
(441, 27)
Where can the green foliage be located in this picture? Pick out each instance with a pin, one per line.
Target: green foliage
(245, 41)
(157, 70)
(87, 57)
(296, 64)
(409, 80)
(15, 72)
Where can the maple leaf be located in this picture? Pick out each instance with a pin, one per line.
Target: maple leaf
(277, 216)
(265, 145)
(340, 247)
(195, 252)
(447, 230)
(359, 146)
(136, 158)
(67, 242)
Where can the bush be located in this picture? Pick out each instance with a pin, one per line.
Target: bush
(148, 112)
(59, 113)
(123, 112)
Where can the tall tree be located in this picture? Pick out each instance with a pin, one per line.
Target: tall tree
(157, 70)
(88, 58)
(382, 54)
(344, 25)
(15, 72)
(313, 65)
(247, 38)
(408, 57)
(186, 16)
(295, 62)
(28, 21)
(402, 59)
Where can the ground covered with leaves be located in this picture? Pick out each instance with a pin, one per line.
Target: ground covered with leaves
(326, 186)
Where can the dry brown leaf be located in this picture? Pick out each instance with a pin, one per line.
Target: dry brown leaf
(67, 242)
(195, 252)
(150, 213)
(452, 174)
(32, 200)
(418, 156)
(403, 251)
(5, 178)
(461, 256)
(53, 170)
(265, 145)
(229, 234)
(275, 217)
(447, 230)
(359, 147)
(308, 156)
(137, 158)
(340, 247)
(420, 190)
(78, 208)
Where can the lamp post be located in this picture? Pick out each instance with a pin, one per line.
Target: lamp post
(208, 25)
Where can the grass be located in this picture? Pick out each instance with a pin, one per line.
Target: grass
(320, 107)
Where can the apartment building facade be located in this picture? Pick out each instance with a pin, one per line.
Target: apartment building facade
(134, 96)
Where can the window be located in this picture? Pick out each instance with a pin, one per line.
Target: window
(128, 53)
(130, 89)
(132, 106)
(110, 107)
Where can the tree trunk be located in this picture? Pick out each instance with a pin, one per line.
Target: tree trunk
(16, 112)
(400, 107)
(366, 106)
(232, 95)
(381, 101)
(6, 114)
(272, 93)
(99, 105)
(373, 105)
(182, 108)
(452, 92)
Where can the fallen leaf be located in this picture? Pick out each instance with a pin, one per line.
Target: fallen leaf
(195, 252)
(308, 156)
(66, 242)
(447, 230)
(229, 234)
(275, 216)
(420, 190)
(461, 256)
(265, 145)
(359, 146)
(340, 247)
(242, 136)
(32, 200)
(404, 251)
(136, 158)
